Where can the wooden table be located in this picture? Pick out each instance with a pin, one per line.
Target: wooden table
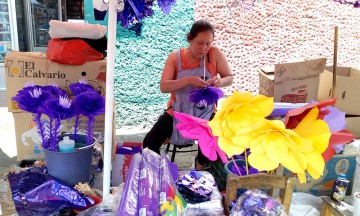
(328, 208)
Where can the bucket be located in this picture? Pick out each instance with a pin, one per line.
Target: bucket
(71, 167)
(229, 169)
(356, 183)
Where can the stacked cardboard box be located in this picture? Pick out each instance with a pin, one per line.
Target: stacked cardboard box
(22, 67)
(346, 93)
(291, 82)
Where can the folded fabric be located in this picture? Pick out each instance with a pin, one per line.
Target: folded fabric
(99, 45)
(60, 29)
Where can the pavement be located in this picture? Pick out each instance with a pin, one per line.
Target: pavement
(8, 151)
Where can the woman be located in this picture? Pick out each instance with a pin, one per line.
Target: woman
(184, 71)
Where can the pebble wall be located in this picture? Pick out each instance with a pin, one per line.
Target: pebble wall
(139, 64)
(251, 33)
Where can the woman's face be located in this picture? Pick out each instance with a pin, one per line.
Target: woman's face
(200, 45)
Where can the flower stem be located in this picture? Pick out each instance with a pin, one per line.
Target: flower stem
(236, 166)
(76, 125)
(246, 163)
(54, 135)
(51, 120)
(90, 126)
(40, 125)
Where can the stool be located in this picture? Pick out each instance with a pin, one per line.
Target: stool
(176, 148)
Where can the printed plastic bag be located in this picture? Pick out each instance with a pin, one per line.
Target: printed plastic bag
(257, 203)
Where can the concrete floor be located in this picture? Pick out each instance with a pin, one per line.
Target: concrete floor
(8, 150)
(7, 134)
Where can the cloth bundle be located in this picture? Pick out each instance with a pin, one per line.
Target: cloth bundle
(76, 43)
(60, 29)
(195, 187)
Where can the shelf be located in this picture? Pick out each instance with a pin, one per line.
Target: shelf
(5, 32)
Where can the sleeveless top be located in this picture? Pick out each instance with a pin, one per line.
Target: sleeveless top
(182, 103)
(182, 63)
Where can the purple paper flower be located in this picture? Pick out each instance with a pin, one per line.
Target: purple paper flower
(205, 96)
(54, 90)
(56, 105)
(81, 87)
(89, 104)
(58, 108)
(30, 98)
(166, 5)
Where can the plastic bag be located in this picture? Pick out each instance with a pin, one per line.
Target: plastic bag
(36, 193)
(74, 52)
(257, 203)
(149, 187)
(128, 205)
(171, 201)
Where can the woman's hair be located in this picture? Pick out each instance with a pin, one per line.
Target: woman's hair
(198, 27)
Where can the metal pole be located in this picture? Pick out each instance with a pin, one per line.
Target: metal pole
(109, 105)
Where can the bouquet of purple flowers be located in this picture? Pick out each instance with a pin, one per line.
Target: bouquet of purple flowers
(58, 105)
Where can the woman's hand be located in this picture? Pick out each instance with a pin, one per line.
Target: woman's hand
(196, 82)
(215, 81)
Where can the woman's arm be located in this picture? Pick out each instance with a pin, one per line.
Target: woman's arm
(222, 68)
(169, 84)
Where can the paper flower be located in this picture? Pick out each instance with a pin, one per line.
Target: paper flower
(238, 112)
(205, 96)
(54, 90)
(132, 12)
(81, 87)
(195, 128)
(56, 104)
(89, 104)
(334, 118)
(30, 98)
(57, 109)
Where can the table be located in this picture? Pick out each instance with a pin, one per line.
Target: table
(328, 208)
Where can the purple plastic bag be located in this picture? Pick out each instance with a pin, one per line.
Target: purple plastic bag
(256, 202)
(167, 178)
(36, 193)
(128, 205)
(149, 188)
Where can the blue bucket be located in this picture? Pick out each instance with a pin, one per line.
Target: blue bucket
(71, 167)
(228, 165)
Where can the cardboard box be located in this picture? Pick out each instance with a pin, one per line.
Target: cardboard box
(340, 163)
(28, 140)
(353, 125)
(346, 89)
(121, 164)
(22, 67)
(291, 82)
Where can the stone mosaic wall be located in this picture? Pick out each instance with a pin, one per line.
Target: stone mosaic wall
(139, 64)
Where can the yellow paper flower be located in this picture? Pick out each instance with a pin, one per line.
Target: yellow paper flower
(236, 116)
(298, 150)
(314, 132)
(271, 144)
(241, 124)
